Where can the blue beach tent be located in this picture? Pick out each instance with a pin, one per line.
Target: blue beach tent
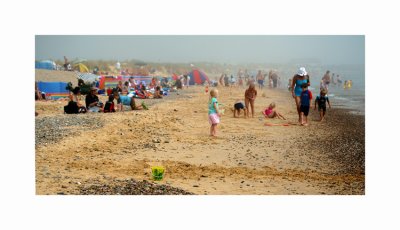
(47, 64)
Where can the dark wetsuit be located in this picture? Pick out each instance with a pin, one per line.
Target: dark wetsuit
(321, 101)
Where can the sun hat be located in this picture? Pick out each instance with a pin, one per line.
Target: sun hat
(302, 71)
(93, 88)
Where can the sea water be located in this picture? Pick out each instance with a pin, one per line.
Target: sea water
(354, 98)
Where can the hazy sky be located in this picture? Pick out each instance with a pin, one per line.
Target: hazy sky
(333, 49)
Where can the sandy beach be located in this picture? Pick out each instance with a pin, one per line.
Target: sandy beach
(78, 152)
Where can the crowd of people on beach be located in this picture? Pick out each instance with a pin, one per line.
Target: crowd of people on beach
(299, 85)
(245, 79)
(124, 94)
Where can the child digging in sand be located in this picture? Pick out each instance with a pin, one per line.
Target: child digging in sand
(321, 101)
(305, 104)
(237, 107)
(213, 112)
(270, 112)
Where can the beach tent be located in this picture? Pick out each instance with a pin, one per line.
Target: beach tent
(47, 64)
(81, 68)
(55, 90)
(198, 77)
(112, 81)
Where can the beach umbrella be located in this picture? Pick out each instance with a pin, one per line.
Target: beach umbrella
(78, 60)
(198, 77)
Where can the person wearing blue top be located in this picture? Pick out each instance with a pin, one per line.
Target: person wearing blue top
(298, 80)
(321, 101)
(305, 104)
(126, 100)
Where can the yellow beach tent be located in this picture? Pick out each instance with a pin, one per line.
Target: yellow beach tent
(81, 68)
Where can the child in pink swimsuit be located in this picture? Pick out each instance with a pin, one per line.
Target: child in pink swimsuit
(270, 112)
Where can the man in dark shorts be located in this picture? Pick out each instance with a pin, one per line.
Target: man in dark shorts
(305, 103)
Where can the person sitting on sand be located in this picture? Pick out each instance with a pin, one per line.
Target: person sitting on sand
(132, 84)
(157, 92)
(270, 112)
(38, 94)
(125, 88)
(178, 83)
(109, 107)
(93, 103)
(305, 104)
(237, 107)
(321, 100)
(250, 96)
(119, 87)
(126, 100)
(143, 91)
(75, 106)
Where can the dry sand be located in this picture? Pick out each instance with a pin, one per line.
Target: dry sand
(55, 76)
(247, 157)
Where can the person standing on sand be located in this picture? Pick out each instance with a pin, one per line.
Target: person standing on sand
(274, 78)
(185, 80)
(221, 80)
(260, 80)
(305, 104)
(250, 96)
(321, 100)
(226, 80)
(298, 80)
(240, 82)
(213, 112)
(326, 80)
(66, 63)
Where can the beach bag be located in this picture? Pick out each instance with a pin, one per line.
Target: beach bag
(71, 108)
